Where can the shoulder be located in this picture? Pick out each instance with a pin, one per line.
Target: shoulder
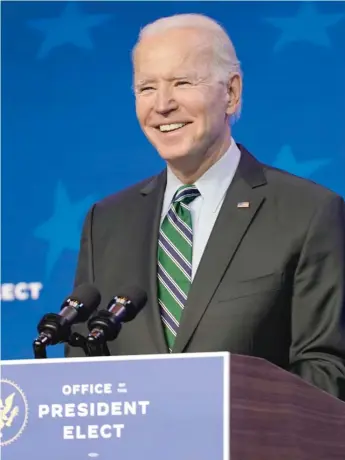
(293, 187)
(304, 204)
(287, 187)
(125, 195)
(124, 199)
(292, 199)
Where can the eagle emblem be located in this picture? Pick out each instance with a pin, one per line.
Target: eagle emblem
(7, 414)
(13, 412)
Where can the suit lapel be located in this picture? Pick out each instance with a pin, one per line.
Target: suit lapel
(231, 225)
(153, 194)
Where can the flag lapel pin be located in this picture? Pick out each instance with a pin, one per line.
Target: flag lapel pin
(243, 204)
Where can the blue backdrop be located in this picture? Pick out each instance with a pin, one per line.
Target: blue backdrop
(70, 136)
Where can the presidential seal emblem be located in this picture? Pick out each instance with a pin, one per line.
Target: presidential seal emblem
(13, 412)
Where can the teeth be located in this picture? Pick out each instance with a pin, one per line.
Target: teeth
(171, 127)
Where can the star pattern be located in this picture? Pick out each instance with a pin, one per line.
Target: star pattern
(71, 27)
(308, 25)
(66, 68)
(304, 168)
(62, 230)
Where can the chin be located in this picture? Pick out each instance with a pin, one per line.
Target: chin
(174, 152)
(175, 156)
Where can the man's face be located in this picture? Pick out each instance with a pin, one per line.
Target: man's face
(181, 107)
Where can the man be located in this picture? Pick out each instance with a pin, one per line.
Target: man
(234, 255)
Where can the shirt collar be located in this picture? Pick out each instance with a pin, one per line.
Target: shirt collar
(213, 184)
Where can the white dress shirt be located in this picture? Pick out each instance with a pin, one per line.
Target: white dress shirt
(212, 186)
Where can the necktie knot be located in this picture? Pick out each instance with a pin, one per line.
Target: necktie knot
(186, 194)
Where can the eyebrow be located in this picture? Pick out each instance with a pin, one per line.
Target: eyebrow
(146, 81)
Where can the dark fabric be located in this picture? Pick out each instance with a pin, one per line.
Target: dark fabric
(271, 282)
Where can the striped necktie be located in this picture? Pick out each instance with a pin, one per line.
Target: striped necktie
(175, 248)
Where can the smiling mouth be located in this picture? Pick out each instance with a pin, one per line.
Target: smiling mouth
(170, 127)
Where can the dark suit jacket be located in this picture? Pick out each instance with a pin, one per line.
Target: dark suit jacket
(271, 282)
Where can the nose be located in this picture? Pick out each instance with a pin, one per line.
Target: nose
(165, 101)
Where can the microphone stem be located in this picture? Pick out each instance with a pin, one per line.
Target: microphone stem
(98, 349)
(40, 350)
(79, 341)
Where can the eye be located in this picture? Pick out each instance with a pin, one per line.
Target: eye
(145, 89)
(182, 83)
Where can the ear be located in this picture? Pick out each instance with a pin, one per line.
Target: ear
(234, 92)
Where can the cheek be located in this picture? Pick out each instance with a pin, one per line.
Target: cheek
(203, 106)
(216, 111)
(193, 102)
(142, 110)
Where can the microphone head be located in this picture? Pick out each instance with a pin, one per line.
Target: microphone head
(135, 298)
(124, 307)
(86, 299)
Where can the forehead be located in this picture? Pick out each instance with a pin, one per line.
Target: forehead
(174, 51)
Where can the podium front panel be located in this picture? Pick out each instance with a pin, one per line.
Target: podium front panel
(150, 407)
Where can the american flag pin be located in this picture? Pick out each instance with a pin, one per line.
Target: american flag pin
(243, 204)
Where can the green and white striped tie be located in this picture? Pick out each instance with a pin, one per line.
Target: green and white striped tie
(175, 249)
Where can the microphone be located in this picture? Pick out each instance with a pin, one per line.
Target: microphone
(54, 328)
(124, 307)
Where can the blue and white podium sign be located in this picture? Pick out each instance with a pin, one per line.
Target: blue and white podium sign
(149, 407)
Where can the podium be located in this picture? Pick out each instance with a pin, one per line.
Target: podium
(210, 406)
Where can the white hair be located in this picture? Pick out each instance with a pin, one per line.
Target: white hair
(226, 61)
